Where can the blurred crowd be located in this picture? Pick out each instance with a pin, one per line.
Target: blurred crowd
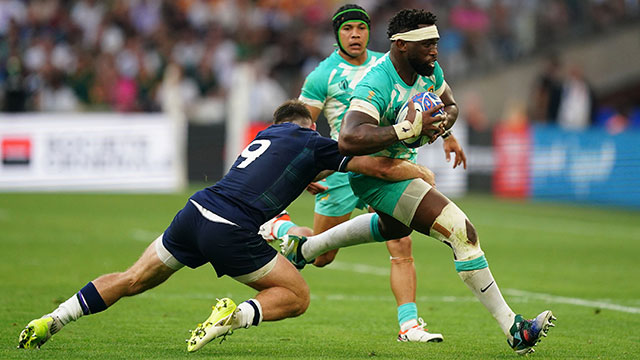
(87, 55)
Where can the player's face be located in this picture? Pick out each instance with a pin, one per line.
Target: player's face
(422, 56)
(354, 36)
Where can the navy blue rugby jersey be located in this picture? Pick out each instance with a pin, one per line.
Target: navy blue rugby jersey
(271, 172)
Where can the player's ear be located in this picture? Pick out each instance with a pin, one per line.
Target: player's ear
(313, 125)
(401, 45)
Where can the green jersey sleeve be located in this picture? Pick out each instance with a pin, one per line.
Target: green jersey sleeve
(315, 88)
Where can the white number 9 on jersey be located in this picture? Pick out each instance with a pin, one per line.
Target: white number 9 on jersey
(251, 155)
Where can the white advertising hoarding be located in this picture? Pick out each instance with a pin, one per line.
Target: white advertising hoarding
(449, 181)
(90, 152)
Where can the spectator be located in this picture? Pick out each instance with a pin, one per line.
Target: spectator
(56, 95)
(83, 38)
(15, 92)
(577, 102)
(547, 92)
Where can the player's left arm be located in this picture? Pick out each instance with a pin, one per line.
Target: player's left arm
(450, 143)
(450, 107)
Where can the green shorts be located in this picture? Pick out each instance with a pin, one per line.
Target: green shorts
(339, 199)
(398, 199)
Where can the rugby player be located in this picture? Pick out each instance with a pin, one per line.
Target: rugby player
(328, 89)
(219, 225)
(411, 67)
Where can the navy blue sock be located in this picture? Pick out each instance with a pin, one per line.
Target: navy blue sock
(90, 300)
(256, 314)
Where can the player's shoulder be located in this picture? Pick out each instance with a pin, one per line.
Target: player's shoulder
(328, 64)
(380, 72)
(375, 55)
(286, 130)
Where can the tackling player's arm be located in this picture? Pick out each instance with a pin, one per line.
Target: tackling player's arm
(390, 169)
(315, 187)
(384, 168)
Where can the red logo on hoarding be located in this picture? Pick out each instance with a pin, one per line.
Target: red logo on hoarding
(16, 151)
(512, 146)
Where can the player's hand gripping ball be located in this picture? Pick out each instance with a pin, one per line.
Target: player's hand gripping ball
(422, 102)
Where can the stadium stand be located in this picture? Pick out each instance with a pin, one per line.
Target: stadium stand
(90, 55)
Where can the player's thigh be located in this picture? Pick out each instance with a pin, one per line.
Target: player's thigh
(399, 199)
(149, 270)
(283, 274)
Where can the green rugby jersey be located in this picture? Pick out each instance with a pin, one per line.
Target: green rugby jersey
(383, 88)
(330, 85)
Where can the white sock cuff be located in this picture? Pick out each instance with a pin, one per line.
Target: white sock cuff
(69, 310)
(408, 324)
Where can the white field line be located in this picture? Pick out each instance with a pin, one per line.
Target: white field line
(521, 296)
(572, 301)
(142, 235)
(524, 295)
(568, 227)
(359, 268)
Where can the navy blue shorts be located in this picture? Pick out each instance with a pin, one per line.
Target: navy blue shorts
(195, 240)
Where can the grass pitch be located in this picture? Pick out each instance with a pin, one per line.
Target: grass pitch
(582, 263)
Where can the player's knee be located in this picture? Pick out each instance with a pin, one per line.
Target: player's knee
(325, 259)
(453, 228)
(303, 299)
(300, 231)
(394, 231)
(399, 248)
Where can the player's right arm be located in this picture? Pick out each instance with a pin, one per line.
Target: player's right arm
(315, 187)
(390, 169)
(313, 95)
(361, 135)
(314, 92)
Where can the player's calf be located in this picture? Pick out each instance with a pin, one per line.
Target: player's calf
(325, 259)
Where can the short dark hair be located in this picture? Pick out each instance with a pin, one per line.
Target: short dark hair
(291, 111)
(409, 19)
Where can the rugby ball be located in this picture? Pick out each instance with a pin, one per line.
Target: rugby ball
(422, 102)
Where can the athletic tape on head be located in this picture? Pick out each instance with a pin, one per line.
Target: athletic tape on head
(423, 33)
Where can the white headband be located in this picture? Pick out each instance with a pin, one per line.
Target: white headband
(419, 34)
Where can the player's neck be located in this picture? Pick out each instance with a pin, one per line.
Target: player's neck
(357, 61)
(404, 70)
